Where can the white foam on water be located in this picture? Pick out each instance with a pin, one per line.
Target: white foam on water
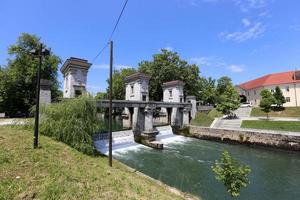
(166, 136)
(123, 141)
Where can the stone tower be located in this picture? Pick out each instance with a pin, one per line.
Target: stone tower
(75, 75)
(137, 87)
(136, 90)
(172, 92)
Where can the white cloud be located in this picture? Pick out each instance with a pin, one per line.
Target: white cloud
(247, 5)
(236, 68)
(208, 61)
(253, 32)
(169, 48)
(246, 22)
(216, 62)
(106, 66)
(122, 66)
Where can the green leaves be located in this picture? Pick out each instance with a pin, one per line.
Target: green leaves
(18, 78)
(168, 66)
(229, 100)
(267, 99)
(279, 98)
(72, 121)
(233, 174)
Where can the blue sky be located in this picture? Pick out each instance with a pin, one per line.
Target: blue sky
(242, 39)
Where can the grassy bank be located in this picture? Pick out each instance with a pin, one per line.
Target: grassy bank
(203, 119)
(287, 112)
(293, 126)
(57, 171)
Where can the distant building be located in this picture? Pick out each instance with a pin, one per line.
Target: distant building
(75, 76)
(288, 82)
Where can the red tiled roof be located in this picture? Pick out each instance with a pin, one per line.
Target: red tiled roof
(271, 79)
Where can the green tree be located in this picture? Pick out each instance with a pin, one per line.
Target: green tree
(222, 83)
(233, 174)
(279, 98)
(168, 66)
(208, 91)
(101, 95)
(18, 78)
(118, 88)
(229, 100)
(267, 99)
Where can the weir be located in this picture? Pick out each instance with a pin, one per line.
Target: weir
(124, 140)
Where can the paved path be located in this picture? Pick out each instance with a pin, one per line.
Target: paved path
(4, 122)
(232, 123)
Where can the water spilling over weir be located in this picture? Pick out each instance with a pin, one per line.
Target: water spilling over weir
(124, 140)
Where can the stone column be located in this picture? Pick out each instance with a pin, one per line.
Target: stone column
(176, 117)
(192, 100)
(45, 92)
(138, 120)
(127, 118)
(148, 119)
(186, 116)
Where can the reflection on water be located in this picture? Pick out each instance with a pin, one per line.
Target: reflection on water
(185, 163)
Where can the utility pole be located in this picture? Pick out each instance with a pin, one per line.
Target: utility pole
(40, 53)
(110, 103)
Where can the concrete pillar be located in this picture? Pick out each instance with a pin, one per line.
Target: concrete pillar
(176, 117)
(45, 92)
(127, 118)
(138, 120)
(186, 116)
(149, 119)
(192, 100)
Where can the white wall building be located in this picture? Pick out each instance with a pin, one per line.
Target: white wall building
(137, 87)
(173, 91)
(288, 82)
(75, 76)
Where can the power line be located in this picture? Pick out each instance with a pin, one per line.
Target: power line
(112, 33)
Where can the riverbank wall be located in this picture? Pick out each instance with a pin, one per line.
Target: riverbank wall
(274, 139)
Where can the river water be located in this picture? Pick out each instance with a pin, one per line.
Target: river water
(185, 163)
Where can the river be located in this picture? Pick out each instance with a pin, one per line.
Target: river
(185, 163)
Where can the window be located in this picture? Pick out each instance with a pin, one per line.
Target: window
(254, 92)
(170, 93)
(287, 88)
(287, 99)
(144, 98)
(180, 99)
(132, 89)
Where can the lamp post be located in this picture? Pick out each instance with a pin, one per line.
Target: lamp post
(40, 53)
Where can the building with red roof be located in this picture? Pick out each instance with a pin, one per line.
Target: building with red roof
(288, 82)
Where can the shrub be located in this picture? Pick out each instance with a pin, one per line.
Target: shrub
(233, 174)
(72, 121)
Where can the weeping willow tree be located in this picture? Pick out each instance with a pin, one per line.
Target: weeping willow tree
(73, 122)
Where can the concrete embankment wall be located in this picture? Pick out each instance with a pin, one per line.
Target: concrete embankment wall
(276, 139)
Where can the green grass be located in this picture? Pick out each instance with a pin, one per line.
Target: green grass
(293, 126)
(205, 120)
(57, 171)
(287, 112)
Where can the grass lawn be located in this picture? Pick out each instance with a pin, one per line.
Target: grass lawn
(287, 112)
(293, 126)
(205, 120)
(56, 171)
